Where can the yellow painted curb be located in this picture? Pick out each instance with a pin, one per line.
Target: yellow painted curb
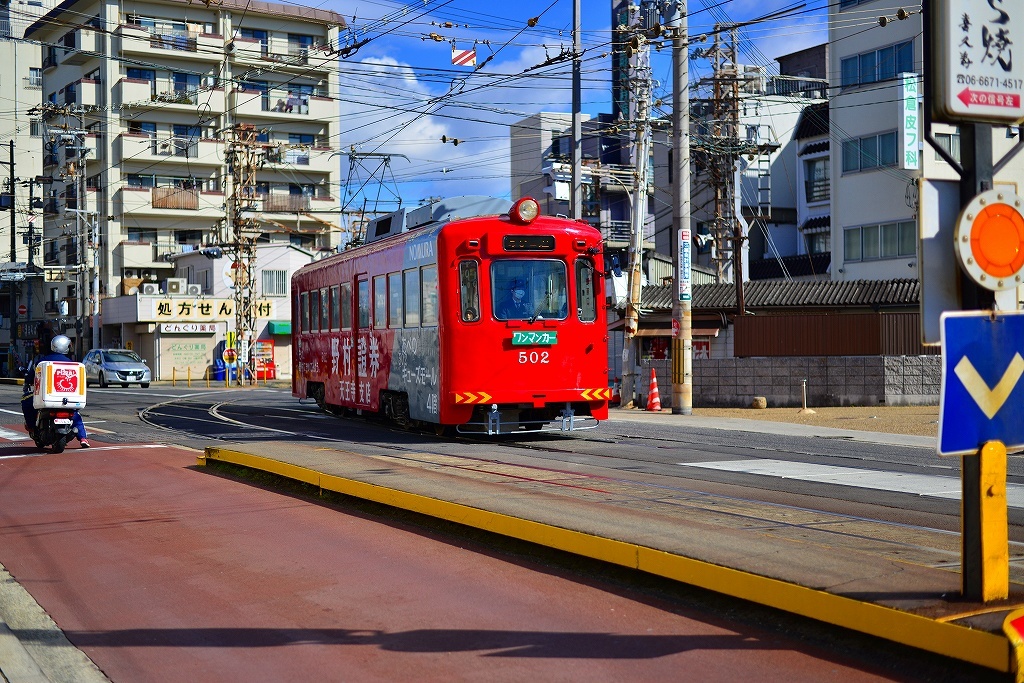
(990, 650)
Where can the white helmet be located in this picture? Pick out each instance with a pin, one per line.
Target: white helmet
(60, 344)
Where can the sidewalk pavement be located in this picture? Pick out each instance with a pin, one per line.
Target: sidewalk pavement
(837, 569)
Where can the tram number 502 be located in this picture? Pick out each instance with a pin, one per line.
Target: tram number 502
(534, 357)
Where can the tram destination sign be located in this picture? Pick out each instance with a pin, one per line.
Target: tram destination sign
(534, 338)
(974, 73)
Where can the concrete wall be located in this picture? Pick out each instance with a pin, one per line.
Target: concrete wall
(831, 381)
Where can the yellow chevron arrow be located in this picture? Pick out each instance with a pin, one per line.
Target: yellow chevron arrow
(989, 400)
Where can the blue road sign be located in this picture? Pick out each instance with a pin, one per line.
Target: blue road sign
(982, 395)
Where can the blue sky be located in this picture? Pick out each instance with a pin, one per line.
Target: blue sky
(401, 93)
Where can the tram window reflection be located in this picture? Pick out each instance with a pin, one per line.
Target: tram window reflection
(529, 289)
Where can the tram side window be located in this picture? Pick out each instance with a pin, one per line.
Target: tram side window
(380, 302)
(335, 309)
(395, 298)
(586, 288)
(314, 310)
(469, 291)
(363, 305)
(428, 284)
(304, 308)
(325, 310)
(346, 306)
(411, 280)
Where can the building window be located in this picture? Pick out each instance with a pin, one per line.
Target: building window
(873, 242)
(35, 127)
(816, 179)
(950, 142)
(871, 151)
(275, 283)
(877, 65)
(819, 243)
(35, 77)
(142, 235)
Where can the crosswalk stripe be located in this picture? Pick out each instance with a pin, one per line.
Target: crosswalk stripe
(12, 436)
(899, 482)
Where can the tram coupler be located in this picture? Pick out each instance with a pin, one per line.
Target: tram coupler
(568, 416)
(493, 420)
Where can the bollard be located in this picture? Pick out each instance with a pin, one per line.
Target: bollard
(174, 376)
(805, 410)
(188, 375)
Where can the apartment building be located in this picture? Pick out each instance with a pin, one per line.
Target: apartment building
(140, 105)
(21, 75)
(877, 62)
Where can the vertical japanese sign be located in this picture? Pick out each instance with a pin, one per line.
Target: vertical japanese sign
(975, 75)
(910, 122)
(683, 276)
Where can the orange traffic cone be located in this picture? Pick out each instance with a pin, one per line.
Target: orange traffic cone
(616, 397)
(653, 398)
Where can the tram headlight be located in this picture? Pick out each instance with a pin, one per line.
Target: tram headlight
(524, 211)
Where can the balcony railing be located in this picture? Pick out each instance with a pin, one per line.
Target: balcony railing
(176, 198)
(619, 231)
(285, 203)
(185, 41)
(818, 190)
(34, 81)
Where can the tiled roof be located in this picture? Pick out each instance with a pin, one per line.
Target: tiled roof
(768, 294)
(817, 224)
(813, 121)
(815, 147)
(796, 266)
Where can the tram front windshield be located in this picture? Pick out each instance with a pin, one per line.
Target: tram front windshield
(524, 289)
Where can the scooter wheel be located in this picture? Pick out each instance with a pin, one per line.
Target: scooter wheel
(58, 445)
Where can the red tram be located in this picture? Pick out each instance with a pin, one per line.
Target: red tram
(472, 312)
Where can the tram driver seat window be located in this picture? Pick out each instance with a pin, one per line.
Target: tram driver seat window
(524, 289)
(469, 291)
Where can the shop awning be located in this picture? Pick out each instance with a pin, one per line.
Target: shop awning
(280, 327)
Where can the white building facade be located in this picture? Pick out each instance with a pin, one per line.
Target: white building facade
(140, 107)
(874, 190)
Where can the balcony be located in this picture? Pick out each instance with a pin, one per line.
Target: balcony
(137, 255)
(255, 53)
(818, 190)
(169, 206)
(309, 159)
(187, 45)
(275, 105)
(166, 149)
(133, 91)
(284, 203)
(33, 82)
(89, 94)
(88, 45)
(186, 199)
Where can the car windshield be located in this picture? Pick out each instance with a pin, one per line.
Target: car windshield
(121, 357)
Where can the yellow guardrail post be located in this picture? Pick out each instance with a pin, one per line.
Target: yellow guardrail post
(188, 376)
(174, 376)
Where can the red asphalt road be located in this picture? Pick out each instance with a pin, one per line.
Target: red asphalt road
(159, 571)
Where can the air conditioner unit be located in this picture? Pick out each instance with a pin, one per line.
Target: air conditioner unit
(131, 272)
(193, 290)
(175, 285)
(150, 289)
(148, 275)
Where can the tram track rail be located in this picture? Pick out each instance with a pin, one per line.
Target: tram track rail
(234, 412)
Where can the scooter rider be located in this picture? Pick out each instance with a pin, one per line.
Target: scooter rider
(59, 347)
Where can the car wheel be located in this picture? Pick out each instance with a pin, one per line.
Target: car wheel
(144, 385)
(103, 380)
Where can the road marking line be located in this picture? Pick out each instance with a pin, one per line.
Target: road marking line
(12, 435)
(40, 454)
(899, 482)
(989, 400)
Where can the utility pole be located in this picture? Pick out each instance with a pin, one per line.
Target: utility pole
(244, 154)
(577, 125)
(14, 257)
(674, 14)
(640, 103)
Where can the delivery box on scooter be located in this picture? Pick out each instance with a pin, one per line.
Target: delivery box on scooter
(59, 384)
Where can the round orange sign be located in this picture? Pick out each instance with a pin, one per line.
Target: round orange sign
(990, 239)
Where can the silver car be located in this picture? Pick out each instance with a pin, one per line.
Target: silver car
(116, 366)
